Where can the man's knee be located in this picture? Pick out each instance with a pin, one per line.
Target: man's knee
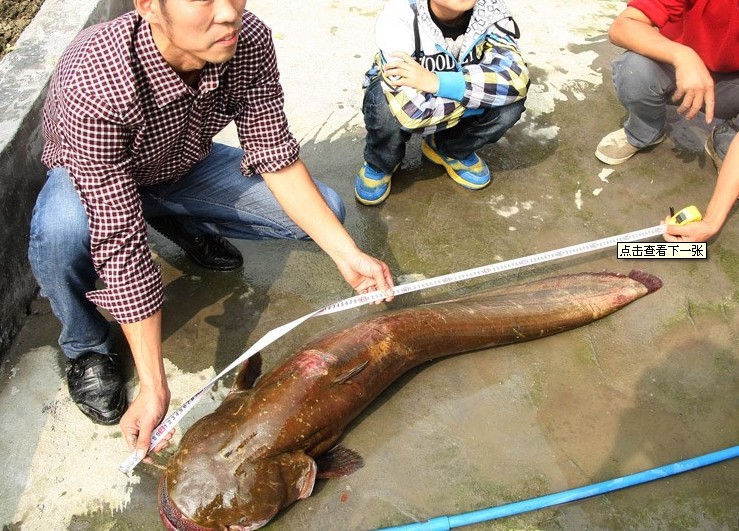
(59, 219)
(726, 90)
(334, 201)
(638, 78)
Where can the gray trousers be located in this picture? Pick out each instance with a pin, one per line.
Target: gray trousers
(645, 87)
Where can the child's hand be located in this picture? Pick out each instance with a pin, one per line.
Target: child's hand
(405, 72)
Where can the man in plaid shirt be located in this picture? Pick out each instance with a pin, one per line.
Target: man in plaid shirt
(129, 120)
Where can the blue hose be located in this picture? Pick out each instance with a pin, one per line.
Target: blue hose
(444, 523)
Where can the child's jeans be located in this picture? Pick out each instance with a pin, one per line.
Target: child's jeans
(385, 142)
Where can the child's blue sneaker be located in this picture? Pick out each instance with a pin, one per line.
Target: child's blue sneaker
(371, 186)
(471, 172)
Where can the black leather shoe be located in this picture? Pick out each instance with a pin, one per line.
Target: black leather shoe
(210, 252)
(96, 386)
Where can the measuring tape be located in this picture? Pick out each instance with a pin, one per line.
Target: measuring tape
(359, 300)
(685, 216)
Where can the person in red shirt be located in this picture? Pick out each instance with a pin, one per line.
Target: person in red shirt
(686, 53)
(129, 121)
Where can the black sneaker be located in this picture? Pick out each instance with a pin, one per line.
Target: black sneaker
(97, 387)
(210, 252)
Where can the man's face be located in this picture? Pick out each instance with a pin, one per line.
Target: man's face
(190, 33)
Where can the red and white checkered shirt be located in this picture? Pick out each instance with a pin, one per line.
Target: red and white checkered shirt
(117, 117)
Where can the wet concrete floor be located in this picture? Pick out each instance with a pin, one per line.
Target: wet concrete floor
(655, 383)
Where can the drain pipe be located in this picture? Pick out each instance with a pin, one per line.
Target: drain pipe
(444, 523)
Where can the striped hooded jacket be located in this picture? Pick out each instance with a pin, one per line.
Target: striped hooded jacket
(489, 71)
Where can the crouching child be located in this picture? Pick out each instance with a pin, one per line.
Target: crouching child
(450, 71)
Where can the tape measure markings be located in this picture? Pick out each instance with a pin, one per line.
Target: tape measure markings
(359, 300)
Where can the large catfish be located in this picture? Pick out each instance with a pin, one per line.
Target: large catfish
(265, 445)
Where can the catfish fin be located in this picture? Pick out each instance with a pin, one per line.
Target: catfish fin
(299, 470)
(351, 372)
(265, 486)
(248, 373)
(338, 462)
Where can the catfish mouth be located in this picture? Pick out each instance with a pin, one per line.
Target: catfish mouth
(172, 517)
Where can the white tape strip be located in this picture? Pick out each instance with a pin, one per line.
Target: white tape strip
(359, 300)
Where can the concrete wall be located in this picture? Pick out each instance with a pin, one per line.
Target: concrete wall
(24, 76)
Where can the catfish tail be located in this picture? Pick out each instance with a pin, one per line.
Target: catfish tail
(651, 282)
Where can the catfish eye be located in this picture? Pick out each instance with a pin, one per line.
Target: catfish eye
(243, 520)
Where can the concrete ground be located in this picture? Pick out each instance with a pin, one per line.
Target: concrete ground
(655, 383)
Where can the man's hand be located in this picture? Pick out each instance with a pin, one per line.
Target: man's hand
(722, 201)
(297, 194)
(365, 274)
(143, 415)
(152, 402)
(406, 72)
(697, 231)
(694, 85)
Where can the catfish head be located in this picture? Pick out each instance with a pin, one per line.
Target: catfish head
(228, 472)
(252, 497)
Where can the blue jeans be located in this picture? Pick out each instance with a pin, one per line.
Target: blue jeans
(385, 141)
(645, 87)
(214, 198)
